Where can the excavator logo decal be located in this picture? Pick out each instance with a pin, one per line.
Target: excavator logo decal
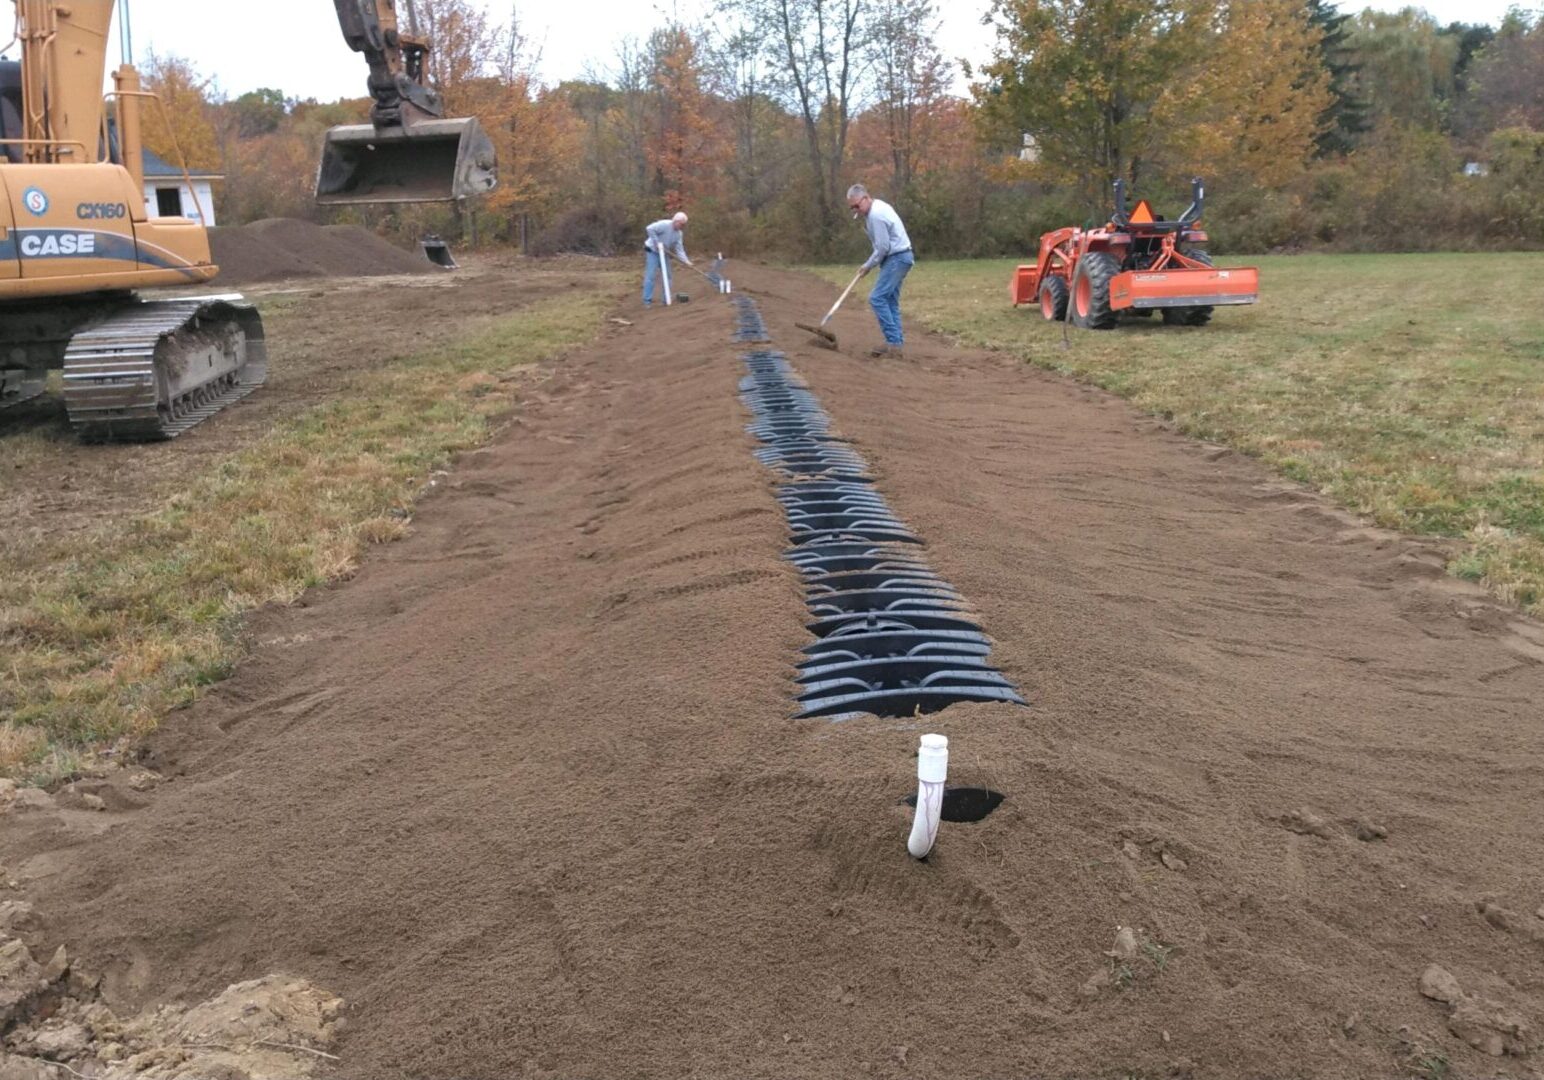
(35, 201)
(51, 244)
(40, 244)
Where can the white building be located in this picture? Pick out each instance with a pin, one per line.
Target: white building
(166, 191)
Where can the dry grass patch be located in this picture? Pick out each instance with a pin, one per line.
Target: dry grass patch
(104, 631)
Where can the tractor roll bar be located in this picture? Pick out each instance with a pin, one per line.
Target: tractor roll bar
(1197, 202)
(1122, 214)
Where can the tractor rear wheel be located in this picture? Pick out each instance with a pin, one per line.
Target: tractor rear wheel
(1190, 316)
(1091, 292)
(1053, 299)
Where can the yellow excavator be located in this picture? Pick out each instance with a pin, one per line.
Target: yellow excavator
(77, 239)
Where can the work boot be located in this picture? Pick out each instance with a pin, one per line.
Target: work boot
(892, 351)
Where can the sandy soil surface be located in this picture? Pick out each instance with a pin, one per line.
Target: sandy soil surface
(525, 793)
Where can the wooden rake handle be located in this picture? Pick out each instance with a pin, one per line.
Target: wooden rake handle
(850, 285)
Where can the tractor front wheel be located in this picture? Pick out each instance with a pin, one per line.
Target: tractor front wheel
(1190, 316)
(1053, 299)
(1091, 292)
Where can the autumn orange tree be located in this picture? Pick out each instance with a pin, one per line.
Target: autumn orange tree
(485, 68)
(1259, 99)
(271, 173)
(184, 120)
(684, 147)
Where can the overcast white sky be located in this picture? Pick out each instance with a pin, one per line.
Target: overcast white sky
(294, 45)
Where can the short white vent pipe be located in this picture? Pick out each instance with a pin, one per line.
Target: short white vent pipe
(932, 767)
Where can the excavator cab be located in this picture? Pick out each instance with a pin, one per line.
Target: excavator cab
(439, 160)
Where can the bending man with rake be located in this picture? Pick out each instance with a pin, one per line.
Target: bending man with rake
(666, 236)
(892, 254)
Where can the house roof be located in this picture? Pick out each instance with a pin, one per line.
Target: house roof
(158, 168)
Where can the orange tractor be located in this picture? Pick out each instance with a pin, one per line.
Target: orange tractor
(1138, 263)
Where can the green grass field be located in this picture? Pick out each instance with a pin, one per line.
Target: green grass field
(1409, 388)
(107, 629)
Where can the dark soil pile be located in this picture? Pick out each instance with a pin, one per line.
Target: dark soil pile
(278, 248)
(525, 792)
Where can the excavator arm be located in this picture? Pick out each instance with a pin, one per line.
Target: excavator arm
(410, 151)
(398, 62)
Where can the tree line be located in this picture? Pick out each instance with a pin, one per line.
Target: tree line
(1314, 128)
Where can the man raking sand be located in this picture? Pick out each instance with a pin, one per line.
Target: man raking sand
(892, 254)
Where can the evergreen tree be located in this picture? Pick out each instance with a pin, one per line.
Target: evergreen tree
(1345, 120)
(1472, 39)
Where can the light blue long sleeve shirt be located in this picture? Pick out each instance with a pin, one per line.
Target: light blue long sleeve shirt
(885, 232)
(664, 237)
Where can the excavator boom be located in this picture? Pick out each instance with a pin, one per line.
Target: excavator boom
(410, 151)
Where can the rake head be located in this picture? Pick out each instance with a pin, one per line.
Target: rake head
(823, 337)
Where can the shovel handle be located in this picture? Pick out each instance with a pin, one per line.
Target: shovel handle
(850, 285)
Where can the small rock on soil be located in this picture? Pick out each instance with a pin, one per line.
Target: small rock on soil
(1307, 823)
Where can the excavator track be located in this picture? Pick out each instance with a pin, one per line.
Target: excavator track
(156, 368)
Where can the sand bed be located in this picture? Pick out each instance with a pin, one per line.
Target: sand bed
(526, 796)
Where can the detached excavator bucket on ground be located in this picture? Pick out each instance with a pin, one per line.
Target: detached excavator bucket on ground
(439, 160)
(437, 251)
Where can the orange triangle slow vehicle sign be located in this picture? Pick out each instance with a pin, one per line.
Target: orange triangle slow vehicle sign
(1143, 214)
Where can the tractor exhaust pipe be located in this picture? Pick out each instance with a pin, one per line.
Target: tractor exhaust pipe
(427, 161)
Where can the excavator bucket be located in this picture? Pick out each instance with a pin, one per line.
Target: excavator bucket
(437, 251)
(430, 161)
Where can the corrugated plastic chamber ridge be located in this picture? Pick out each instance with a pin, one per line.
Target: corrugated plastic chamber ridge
(892, 638)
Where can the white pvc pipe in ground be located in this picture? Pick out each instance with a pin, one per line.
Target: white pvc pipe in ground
(932, 767)
(664, 269)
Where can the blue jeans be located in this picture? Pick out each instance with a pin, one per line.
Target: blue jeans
(650, 269)
(885, 297)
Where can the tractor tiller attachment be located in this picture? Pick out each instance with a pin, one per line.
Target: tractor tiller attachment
(1184, 287)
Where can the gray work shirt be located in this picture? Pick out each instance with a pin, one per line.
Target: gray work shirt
(885, 232)
(664, 237)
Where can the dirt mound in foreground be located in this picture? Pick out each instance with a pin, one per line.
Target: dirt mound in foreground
(277, 248)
